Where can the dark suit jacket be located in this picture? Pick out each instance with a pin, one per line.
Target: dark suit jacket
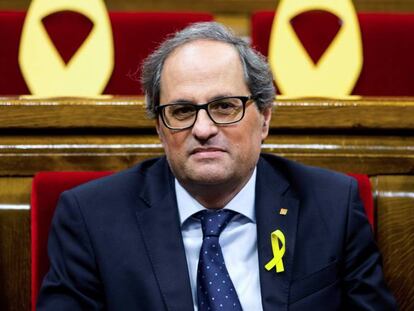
(115, 243)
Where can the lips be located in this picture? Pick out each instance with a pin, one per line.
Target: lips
(206, 150)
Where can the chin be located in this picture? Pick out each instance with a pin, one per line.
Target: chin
(209, 175)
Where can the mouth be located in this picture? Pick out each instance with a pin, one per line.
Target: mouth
(207, 151)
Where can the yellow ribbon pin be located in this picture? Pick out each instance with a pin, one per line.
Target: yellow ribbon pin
(278, 247)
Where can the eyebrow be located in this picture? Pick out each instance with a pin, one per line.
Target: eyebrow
(181, 101)
(186, 101)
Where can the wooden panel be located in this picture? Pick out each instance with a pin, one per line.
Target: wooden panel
(369, 154)
(105, 111)
(14, 260)
(239, 23)
(128, 112)
(14, 244)
(15, 190)
(220, 6)
(25, 155)
(367, 135)
(395, 234)
(352, 113)
(22, 155)
(245, 6)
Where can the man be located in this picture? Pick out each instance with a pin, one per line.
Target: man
(153, 237)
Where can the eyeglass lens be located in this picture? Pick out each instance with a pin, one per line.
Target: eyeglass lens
(221, 111)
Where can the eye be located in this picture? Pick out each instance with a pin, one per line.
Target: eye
(225, 106)
(181, 112)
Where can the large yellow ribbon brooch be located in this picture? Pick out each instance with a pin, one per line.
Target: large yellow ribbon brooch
(278, 248)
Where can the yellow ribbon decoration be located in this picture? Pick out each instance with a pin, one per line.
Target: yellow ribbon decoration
(90, 68)
(337, 71)
(278, 251)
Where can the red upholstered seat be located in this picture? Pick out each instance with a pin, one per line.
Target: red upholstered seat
(388, 50)
(136, 34)
(365, 193)
(46, 189)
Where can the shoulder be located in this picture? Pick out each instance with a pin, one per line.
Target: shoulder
(121, 187)
(303, 177)
(130, 177)
(325, 197)
(322, 192)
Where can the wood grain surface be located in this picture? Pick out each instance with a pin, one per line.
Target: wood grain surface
(14, 260)
(24, 155)
(395, 234)
(353, 113)
(220, 6)
(15, 190)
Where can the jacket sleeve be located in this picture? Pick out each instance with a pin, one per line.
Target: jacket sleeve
(72, 282)
(364, 284)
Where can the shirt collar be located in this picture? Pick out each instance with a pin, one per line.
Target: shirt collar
(242, 203)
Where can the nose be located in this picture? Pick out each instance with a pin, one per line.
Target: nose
(204, 127)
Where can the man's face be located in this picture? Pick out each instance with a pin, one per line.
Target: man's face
(207, 153)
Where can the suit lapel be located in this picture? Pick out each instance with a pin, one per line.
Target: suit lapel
(272, 194)
(161, 231)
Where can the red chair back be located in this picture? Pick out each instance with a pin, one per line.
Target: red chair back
(365, 192)
(135, 34)
(46, 189)
(387, 49)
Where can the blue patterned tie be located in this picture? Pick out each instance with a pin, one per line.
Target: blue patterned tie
(215, 290)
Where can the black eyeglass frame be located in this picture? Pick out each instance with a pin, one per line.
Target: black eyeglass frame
(244, 99)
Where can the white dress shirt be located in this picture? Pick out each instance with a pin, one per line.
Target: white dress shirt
(238, 243)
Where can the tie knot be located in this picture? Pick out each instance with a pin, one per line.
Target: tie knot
(213, 222)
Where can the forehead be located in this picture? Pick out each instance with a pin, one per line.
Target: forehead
(206, 47)
(205, 64)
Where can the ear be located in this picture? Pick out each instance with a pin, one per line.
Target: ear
(266, 116)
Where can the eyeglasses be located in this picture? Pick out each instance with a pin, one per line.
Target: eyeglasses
(225, 110)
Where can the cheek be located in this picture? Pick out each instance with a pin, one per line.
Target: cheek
(247, 145)
(256, 132)
(174, 145)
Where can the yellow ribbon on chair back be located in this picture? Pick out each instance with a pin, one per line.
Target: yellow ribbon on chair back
(338, 69)
(90, 68)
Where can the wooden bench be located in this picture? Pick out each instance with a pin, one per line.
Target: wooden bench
(374, 136)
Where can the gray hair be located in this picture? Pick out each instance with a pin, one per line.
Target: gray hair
(257, 73)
